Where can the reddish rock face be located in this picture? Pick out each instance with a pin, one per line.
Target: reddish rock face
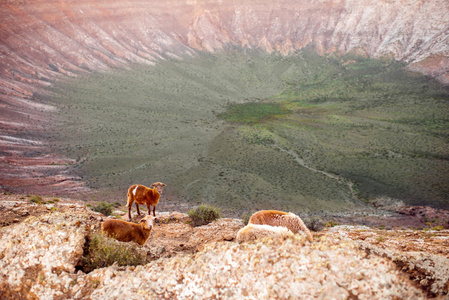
(42, 41)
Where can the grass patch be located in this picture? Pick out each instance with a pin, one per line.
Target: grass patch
(103, 252)
(253, 112)
(117, 204)
(204, 214)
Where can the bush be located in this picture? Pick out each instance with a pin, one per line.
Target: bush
(331, 224)
(203, 214)
(37, 199)
(438, 228)
(104, 208)
(314, 223)
(245, 217)
(103, 251)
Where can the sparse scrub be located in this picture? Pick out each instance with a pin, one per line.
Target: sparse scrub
(246, 216)
(37, 199)
(372, 123)
(103, 251)
(438, 228)
(204, 214)
(380, 239)
(314, 223)
(331, 224)
(257, 135)
(103, 207)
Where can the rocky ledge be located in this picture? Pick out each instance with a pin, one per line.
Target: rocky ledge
(42, 249)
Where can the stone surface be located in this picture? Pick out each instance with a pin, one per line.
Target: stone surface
(40, 255)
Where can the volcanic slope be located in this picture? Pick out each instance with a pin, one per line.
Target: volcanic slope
(247, 131)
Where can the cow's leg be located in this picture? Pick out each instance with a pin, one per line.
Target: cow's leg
(138, 210)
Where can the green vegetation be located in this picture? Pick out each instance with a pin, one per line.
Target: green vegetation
(103, 207)
(254, 131)
(380, 239)
(40, 200)
(203, 214)
(438, 228)
(246, 216)
(103, 251)
(37, 199)
(331, 224)
(253, 112)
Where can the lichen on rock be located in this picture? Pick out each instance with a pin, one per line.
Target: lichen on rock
(39, 249)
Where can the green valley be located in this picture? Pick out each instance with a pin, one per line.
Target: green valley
(250, 131)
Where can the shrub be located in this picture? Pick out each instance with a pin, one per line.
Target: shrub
(314, 223)
(103, 251)
(104, 208)
(380, 239)
(245, 217)
(438, 228)
(331, 224)
(36, 199)
(203, 214)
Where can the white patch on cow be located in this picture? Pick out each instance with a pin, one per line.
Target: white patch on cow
(135, 190)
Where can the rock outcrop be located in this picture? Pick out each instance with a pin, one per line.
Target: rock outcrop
(43, 41)
(40, 259)
(35, 252)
